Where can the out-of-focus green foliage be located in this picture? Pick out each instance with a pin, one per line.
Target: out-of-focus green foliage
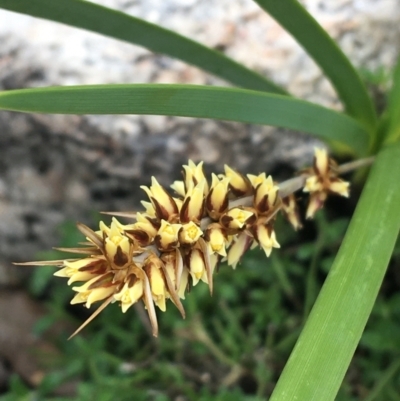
(232, 346)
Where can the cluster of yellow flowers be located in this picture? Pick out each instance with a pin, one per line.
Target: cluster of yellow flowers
(178, 240)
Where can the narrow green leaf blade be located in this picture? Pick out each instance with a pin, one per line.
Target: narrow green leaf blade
(109, 22)
(192, 101)
(393, 111)
(324, 350)
(325, 52)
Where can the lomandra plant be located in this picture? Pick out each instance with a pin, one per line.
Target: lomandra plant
(179, 238)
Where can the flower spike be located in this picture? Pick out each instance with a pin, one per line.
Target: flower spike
(176, 242)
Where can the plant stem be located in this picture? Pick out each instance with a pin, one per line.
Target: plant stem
(383, 381)
(311, 282)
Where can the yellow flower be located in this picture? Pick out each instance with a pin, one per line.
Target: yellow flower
(130, 293)
(189, 233)
(313, 184)
(178, 241)
(323, 180)
(143, 231)
(236, 218)
(167, 236)
(94, 290)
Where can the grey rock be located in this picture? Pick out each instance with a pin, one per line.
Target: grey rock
(57, 168)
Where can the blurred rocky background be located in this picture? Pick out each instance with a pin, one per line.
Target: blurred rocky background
(55, 168)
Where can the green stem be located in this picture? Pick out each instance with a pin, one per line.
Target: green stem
(324, 350)
(383, 381)
(283, 279)
(393, 394)
(311, 280)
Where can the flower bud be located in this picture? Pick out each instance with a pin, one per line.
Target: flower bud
(197, 266)
(238, 184)
(173, 262)
(117, 245)
(265, 236)
(152, 268)
(216, 239)
(238, 249)
(179, 187)
(161, 200)
(217, 199)
(321, 162)
(265, 195)
(144, 230)
(256, 180)
(149, 209)
(193, 205)
(194, 174)
(82, 269)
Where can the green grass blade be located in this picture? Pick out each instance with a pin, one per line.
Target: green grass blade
(192, 101)
(109, 22)
(393, 111)
(319, 45)
(324, 350)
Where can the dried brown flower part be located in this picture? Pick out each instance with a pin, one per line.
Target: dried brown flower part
(291, 211)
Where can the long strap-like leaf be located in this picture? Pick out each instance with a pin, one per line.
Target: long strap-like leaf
(103, 20)
(192, 101)
(318, 44)
(324, 350)
(393, 111)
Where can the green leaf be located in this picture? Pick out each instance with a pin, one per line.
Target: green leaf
(109, 22)
(393, 111)
(192, 101)
(324, 350)
(325, 52)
